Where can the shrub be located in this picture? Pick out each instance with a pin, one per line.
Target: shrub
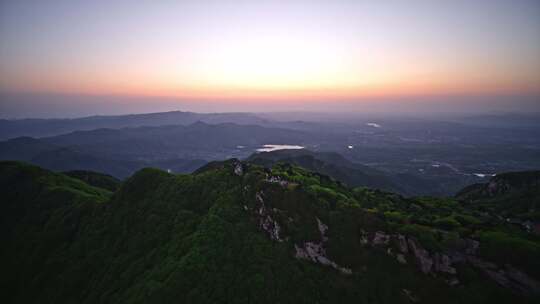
(448, 223)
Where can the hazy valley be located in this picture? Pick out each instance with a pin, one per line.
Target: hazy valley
(445, 153)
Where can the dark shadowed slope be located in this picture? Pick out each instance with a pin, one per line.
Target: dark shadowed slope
(66, 159)
(24, 148)
(235, 232)
(96, 179)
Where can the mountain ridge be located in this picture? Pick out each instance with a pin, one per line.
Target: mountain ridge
(234, 231)
(39, 127)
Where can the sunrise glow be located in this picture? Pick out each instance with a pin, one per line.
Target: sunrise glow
(301, 50)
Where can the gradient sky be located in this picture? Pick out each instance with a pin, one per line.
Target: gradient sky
(271, 50)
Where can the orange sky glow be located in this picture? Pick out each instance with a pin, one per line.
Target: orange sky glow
(299, 51)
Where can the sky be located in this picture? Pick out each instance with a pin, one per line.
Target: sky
(257, 55)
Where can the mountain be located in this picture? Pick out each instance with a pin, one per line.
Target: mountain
(120, 152)
(238, 232)
(24, 148)
(207, 141)
(331, 164)
(66, 159)
(50, 127)
(198, 140)
(512, 195)
(61, 158)
(352, 174)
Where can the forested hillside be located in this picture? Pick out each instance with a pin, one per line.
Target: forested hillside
(235, 232)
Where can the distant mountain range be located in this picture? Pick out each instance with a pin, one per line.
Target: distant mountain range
(50, 127)
(120, 152)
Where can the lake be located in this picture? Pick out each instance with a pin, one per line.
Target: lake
(270, 148)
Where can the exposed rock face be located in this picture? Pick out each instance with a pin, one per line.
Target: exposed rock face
(522, 279)
(266, 222)
(322, 230)
(238, 169)
(508, 276)
(278, 180)
(404, 249)
(401, 258)
(433, 263)
(427, 262)
(443, 263)
(402, 243)
(410, 295)
(364, 238)
(471, 246)
(315, 252)
(422, 256)
(272, 228)
(381, 238)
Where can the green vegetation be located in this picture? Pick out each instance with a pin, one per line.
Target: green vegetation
(505, 248)
(201, 238)
(95, 179)
(510, 195)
